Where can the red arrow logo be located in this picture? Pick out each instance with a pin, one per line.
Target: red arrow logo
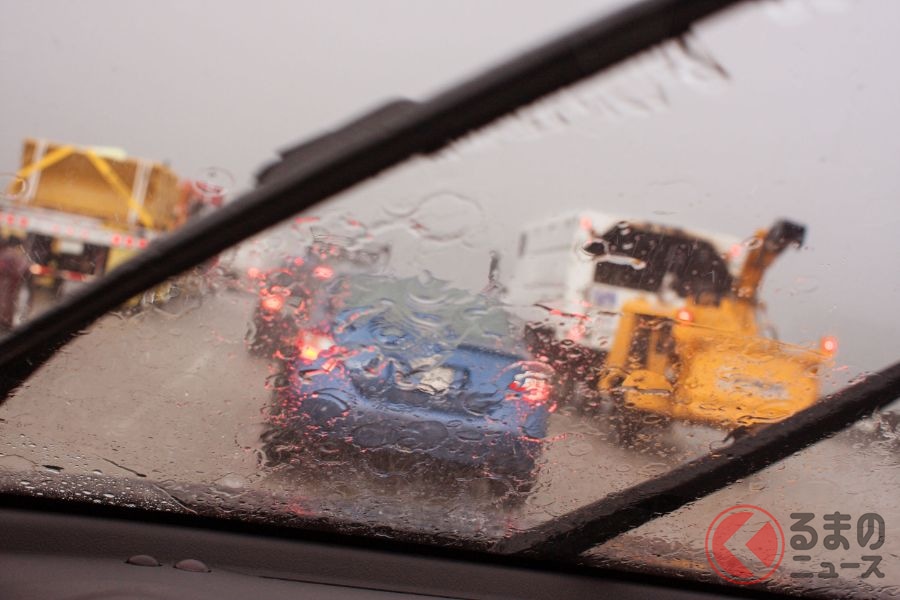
(752, 561)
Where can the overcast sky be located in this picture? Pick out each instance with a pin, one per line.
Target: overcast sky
(800, 122)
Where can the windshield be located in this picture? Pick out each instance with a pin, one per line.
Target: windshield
(642, 270)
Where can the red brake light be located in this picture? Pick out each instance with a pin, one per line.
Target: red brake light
(685, 315)
(312, 345)
(309, 353)
(829, 344)
(74, 276)
(272, 303)
(532, 389)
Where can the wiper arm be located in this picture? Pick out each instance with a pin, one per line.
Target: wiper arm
(584, 528)
(363, 153)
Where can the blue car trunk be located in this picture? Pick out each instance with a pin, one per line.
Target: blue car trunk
(460, 409)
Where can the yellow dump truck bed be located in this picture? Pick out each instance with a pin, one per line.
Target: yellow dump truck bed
(123, 192)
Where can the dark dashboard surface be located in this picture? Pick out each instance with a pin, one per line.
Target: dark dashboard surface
(56, 556)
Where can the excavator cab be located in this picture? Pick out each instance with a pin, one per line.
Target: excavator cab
(702, 358)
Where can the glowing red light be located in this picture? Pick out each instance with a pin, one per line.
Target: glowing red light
(309, 353)
(829, 344)
(116, 240)
(142, 243)
(10, 219)
(685, 315)
(323, 272)
(298, 262)
(253, 273)
(129, 241)
(312, 345)
(23, 221)
(272, 303)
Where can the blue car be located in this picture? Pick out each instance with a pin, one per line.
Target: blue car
(402, 382)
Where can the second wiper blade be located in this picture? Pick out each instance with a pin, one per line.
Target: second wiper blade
(584, 528)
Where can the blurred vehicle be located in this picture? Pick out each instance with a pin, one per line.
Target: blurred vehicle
(678, 334)
(403, 388)
(85, 210)
(584, 295)
(303, 290)
(704, 360)
(82, 211)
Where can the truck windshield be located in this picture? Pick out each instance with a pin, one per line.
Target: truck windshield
(560, 334)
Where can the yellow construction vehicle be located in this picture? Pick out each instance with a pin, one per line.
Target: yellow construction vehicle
(78, 212)
(703, 359)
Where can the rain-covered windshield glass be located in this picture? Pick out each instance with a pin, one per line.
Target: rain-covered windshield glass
(589, 293)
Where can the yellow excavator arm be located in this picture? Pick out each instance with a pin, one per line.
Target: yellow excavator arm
(765, 247)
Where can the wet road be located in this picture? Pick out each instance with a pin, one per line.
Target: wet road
(171, 395)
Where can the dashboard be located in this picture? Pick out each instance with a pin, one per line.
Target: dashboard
(62, 556)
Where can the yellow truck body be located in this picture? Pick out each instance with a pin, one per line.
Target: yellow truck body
(122, 192)
(703, 358)
(712, 368)
(80, 211)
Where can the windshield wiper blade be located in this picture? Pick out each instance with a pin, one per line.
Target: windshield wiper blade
(567, 536)
(363, 153)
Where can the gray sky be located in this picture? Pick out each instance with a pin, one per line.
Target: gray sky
(804, 126)
(226, 83)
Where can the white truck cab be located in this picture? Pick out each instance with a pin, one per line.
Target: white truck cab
(584, 266)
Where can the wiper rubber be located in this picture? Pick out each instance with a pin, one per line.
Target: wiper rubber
(364, 152)
(567, 536)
